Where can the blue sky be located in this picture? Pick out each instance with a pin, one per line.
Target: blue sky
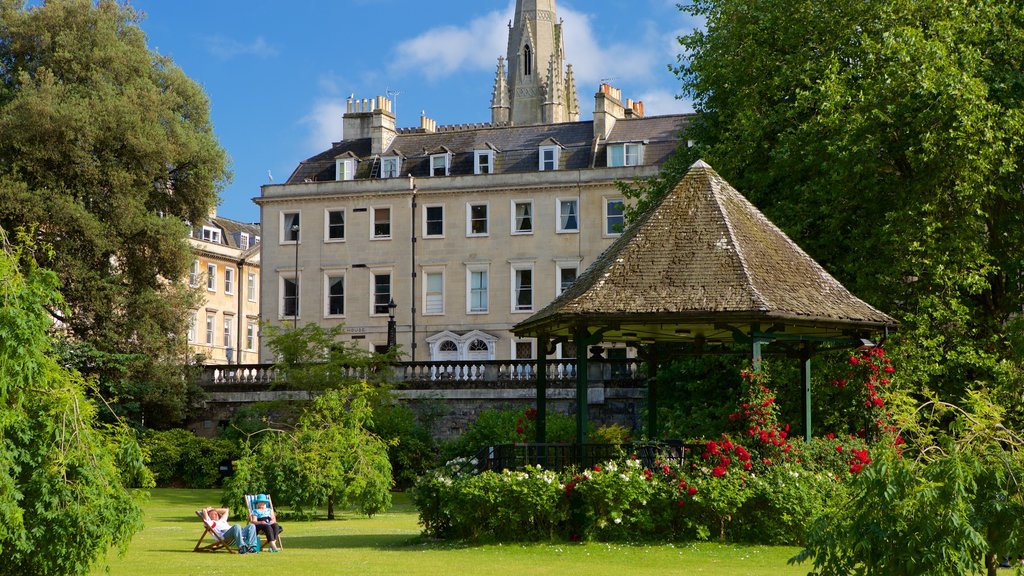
(278, 73)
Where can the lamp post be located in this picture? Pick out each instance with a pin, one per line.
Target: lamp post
(392, 335)
(295, 235)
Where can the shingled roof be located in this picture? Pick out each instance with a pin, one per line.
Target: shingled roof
(517, 146)
(705, 264)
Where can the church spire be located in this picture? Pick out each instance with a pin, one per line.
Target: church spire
(500, 106)
(536, 78)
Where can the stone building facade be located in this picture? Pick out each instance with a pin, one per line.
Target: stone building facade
(226, 269)
(468, 229)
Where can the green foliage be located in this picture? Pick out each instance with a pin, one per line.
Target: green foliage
(311, 357)
(108, 144)
(884, 138)
(63, 500)
(411, 448)
(507, 426)
(329, 459)
(178, 457)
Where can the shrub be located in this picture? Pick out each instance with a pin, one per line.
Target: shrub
(179, 458)
(411, 449)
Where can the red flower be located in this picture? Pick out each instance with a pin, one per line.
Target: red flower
(718, 472)
(854, 360)
(839, 448)
(679, 502)
(691, 491)
(747, 465)
(889, 369)
(665, 468)
(854, 469)
(519, 429)
(597, 468)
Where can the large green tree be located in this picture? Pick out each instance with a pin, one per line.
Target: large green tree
(107, 151)
(885, 137)
(63, 477)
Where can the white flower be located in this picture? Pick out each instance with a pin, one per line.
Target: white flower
(618, 520)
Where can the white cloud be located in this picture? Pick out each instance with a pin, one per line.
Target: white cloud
(661, 102)
(324, 123)
(593, 61)
(228, 48)
(442, 51)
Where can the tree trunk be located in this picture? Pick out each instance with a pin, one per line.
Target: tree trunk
(330, 507)
(991, 564)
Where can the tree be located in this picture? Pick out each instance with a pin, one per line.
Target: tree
(885, 138)
(329, 458)
(63, 477)
(107, 153)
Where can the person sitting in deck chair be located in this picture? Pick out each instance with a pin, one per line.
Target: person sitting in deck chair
(243, 537)
(262, 516)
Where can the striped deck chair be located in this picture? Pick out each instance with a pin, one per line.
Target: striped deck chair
(218, 542)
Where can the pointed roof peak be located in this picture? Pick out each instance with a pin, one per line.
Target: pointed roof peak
(701, 164)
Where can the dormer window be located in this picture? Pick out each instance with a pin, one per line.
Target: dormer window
(390, 167)
(628, 154)
(548, 158)
(483, 162)
(211, 234)
(345, 168)
(439, 164)
(243, 240)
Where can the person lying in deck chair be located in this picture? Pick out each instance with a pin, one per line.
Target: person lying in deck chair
(243, 537)
(262, 516)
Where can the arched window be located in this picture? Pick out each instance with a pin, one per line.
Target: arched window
(478, 350)
(527, 59)
(449, 346)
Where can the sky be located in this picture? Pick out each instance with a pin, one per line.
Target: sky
(278, 73)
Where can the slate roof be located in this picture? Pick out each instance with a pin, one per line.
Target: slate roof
(230, 231)
(517, 147)
(705, 257)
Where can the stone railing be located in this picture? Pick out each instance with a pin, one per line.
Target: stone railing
(446, 374)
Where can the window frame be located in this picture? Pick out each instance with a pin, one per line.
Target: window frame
(637, 154)
(373, 223)
(485, 269)
(211, 234)
(193, 274)
(398, 166)
(427, 272)
(211, 277)
(427, 221)
(469, 219)
(286, 227)
(606, 216)
(516, 268)
(447, 157)
(533, 348)
(295, 279)
(211, 327)
(229, 280)
(330, 274)
(250, 335)
(478, 165)
(193, 328)
(344, 169)
(229, 331)
(328, 239)
(251, 283)
(555, 154)
(374, 273)
(559, 227)
(515, 217)
(561, 265)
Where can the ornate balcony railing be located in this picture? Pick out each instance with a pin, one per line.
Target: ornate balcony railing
(444, 374)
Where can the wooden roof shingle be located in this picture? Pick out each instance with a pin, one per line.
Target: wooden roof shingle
(704, 257)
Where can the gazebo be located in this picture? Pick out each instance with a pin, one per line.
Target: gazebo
(702, 269)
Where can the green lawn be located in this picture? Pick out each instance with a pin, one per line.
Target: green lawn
(390, 544)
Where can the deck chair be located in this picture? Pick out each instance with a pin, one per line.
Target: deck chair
(250, 504)
(218, 542)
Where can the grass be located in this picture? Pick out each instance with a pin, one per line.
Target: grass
(391, 544)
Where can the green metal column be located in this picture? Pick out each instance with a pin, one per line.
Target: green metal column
(542, 385)
(581, 338)
(755, 349)
(653, 359)
(805, 380)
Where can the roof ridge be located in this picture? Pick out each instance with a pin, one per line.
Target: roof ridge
(716, 188)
